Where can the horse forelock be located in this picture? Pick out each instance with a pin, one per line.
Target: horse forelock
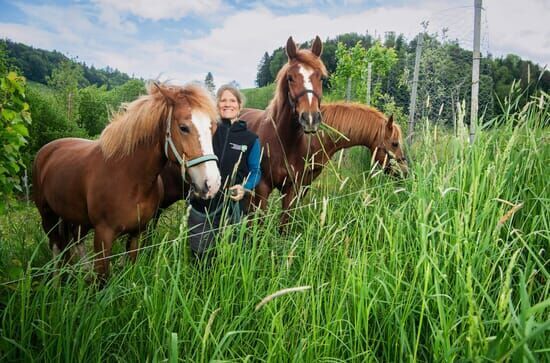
(143, 120)
(199, 99)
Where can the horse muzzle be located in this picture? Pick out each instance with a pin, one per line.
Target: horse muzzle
(397, 169)
(310, 121)
(205, 179)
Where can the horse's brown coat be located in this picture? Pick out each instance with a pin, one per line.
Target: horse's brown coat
(112, 185)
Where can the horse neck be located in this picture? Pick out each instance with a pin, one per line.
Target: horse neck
(287, 129)
(146, 163)
(358, 136)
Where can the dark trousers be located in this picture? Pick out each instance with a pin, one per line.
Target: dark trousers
(204, 227)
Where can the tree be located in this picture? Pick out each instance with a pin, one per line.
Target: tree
(65, 80)
(93, 109)
(235, 84)
(97, 104)
(209, 83)
(278, 60)
(263, 77)
(353, 63)
(49, 119)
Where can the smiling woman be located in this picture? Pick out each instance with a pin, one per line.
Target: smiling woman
(238, 151)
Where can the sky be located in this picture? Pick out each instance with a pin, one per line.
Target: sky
(182, 40)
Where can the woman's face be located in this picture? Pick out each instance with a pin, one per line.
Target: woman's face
(228, 105)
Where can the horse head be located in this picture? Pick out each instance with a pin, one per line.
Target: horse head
(303, 76)
(189, 125)
(389, 150)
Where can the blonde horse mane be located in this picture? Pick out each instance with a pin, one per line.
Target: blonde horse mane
(143, 120)
(303, 56)
(358, 121)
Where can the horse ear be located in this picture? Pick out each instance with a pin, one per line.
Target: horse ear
(317, 47)
(389, 124)
(290, 48)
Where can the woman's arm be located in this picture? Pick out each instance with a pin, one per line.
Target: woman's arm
(255, 171)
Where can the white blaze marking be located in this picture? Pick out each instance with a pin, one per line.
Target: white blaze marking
(306, 73)
(203, 124)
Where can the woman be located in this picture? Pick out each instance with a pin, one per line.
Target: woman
(238, 151)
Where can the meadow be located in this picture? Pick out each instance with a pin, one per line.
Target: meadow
(450, 264)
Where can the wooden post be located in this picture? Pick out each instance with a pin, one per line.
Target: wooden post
(348, 90)
(369, 78)
(412, 104)
(475, 71)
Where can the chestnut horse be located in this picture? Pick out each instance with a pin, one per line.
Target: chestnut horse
(286, 127)
(355, 124)
(112, 185)
(362, 125)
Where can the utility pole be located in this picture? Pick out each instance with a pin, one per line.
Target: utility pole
(369, 77)
(412, 104)
(475, 71)
(348, 90)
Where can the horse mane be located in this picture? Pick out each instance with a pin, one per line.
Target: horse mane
(303, 56)
(358, 121)
(141, 121)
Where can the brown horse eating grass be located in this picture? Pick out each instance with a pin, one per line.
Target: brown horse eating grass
(112, 185)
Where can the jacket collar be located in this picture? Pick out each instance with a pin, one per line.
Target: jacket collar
(237, 126)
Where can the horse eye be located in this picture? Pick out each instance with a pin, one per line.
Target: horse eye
(395, 144)
(290, 79)
(184, 129)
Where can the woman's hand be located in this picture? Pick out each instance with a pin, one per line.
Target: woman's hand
(236, 192)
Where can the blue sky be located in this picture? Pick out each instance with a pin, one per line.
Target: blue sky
(182, 40)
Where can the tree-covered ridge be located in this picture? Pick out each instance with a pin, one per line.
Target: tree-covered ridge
(445, 74)
(38, 64)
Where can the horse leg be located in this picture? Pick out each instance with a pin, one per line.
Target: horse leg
(103, 243)
(132, 246)
(51, 223)
(261, 195)
(288, 199)
(79, 248)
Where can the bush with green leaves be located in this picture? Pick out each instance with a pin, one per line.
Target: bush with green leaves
(353, 63)
(50, 120)
(14, 117)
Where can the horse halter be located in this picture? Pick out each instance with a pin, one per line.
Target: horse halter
(181, 159)
(294, 100)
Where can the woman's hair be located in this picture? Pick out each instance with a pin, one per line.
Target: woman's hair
(234, 91)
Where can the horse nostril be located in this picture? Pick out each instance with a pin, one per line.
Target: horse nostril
(317, 117)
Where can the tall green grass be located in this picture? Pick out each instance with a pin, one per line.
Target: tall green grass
(448, 265)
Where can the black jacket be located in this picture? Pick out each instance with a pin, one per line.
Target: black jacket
(232, 144)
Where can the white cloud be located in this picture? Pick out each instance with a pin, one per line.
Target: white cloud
(232, 49)
(520, 27)
(160, 9)
(29, 35)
